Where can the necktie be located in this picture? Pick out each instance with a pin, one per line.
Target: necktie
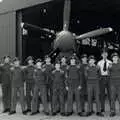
(105, 66)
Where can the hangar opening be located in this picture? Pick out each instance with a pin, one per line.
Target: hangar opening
(49, 15)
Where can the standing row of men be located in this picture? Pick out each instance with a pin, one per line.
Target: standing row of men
(60, 84)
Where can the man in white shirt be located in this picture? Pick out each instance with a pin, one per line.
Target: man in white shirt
(104, 66)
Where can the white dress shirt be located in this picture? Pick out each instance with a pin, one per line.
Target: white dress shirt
(101, 66)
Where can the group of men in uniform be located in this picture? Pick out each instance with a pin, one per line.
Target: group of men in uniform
(61, 84)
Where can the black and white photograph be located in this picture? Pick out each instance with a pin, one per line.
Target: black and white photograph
(59, 59)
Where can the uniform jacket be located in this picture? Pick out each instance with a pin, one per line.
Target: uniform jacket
(5, 74)
(64, 67)
(29, 74)
(92, 74)
(58, 78)
(48, 72)
(82, 72)
(115, 73)
(73, 76)
(17, 77)
(39, 76)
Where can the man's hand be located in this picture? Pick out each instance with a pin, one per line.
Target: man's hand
(110, 65)
(67, 88)
(1, 64)
(79, 88)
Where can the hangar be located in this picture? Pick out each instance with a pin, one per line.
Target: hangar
(85, 16)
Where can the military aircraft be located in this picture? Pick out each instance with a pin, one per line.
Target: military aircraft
(65, 41)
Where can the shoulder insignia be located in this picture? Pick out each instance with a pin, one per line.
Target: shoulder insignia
(35, 70)
(53, 71)
(12, 68)
(23, 67)
(44, 66)
(43, 69)
(78, 66)
(67, 67)
(87, 68)
(11, 64)
(1, 64)
(62, 71)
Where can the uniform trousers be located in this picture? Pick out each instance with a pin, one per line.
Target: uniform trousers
(15, 90)
(104, 84)
(43, 94)
(71, 92)
(115, 93)
(29, 93)
(6, 96)
(93, 90)
(58, 97)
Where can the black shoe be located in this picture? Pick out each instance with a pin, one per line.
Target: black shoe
(6, 110)
(62, 114)
(28, 110)
(92, 112)
(38, 111)
(58, 111)
(112, 114)
(89, 114)
(83, 114)
(24, 112)
(34, 113)
(12, 112)
(54, 114)
(100, 114)
(69, 113)
(80, 113)
(83, 111)
(46, 113)
(102, 110)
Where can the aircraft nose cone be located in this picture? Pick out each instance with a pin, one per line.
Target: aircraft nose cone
(64, 41)
(110, 29)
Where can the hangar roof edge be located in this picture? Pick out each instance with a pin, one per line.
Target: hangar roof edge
(13, 5)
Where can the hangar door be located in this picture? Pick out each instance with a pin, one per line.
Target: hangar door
(8, 34)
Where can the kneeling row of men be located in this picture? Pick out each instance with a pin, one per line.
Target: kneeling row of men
(53, 82)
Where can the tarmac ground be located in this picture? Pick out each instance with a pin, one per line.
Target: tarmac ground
(41, 116)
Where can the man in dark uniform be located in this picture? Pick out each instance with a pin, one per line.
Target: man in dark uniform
(29, 80)
(84, 63)
(73, 86)
(58, 87)
(40, 86)
(64, 66)
(104, 74)
(115, 82)
(6, 83)
(48, 71)
(17, 86)
(92, 86)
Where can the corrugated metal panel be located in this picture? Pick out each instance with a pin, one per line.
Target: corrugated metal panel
(8, 34)
(13, 5)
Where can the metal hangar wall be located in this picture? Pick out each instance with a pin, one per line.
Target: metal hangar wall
(8, 37)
